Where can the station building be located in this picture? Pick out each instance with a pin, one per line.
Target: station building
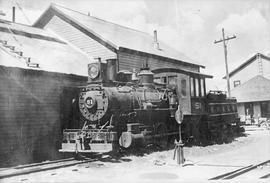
(40, 64)
(251, 87)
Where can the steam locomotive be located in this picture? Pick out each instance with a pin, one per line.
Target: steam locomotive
(124, 109)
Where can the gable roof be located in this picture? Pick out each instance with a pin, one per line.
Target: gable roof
(112, 35)
(42, 47)
(246, 63)
(255, 89)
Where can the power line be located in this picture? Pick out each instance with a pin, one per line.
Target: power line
(226, 59)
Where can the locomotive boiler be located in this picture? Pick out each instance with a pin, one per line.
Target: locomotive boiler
(123, 109)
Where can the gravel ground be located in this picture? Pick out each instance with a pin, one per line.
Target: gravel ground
(201, 164)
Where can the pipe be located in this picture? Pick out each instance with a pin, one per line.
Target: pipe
(13, 13)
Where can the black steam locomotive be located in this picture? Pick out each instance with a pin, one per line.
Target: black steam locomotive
(124, 109)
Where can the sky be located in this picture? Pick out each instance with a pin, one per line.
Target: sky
(190, 26)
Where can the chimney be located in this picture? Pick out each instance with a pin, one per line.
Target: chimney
(156, 44)
(13, 14)
(2, 13)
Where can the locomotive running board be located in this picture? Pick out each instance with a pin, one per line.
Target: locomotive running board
(95, 147)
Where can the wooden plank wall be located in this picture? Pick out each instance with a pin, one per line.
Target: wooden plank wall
(30, 118)
(127, 61)
(79, 39)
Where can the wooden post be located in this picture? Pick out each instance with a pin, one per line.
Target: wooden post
(226, 60)
(226, 63)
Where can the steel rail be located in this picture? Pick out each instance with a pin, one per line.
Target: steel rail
(238, 172)
(34, 169)
(229, 173)
(42, 163)
(265, 176)
(36, 164)
(246, 170)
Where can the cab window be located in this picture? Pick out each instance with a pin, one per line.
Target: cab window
(184, 87)
(192, 91)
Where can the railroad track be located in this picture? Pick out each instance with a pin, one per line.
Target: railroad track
(39, 167)
(257, 170)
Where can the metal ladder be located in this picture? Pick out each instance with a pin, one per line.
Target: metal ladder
(260, 64)
(18, 54)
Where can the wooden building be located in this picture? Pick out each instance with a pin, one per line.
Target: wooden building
(251, 87)
(131, 48)
(30, 95)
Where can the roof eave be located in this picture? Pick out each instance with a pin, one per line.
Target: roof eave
(183, 71)
(243, 65)
(75, 24)
(158, 56)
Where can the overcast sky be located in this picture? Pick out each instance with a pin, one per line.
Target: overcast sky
(190, 26)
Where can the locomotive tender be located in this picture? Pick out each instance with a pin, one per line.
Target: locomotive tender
(124, 109)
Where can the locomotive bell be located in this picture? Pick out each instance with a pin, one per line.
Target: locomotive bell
(146, 77)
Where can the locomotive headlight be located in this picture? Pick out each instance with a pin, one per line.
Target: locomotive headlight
(90, 102)
(93, 71)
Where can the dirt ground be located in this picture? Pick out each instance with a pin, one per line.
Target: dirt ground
(202, 163)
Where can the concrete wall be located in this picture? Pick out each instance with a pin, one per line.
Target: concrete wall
(30, 123)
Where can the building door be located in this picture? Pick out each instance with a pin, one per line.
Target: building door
(70, 115)
(249, 109)
(264, 109)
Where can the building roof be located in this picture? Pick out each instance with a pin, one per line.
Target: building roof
(246, 63)
(255, 89)
(112, 35)
(182, 71)
(42, 47)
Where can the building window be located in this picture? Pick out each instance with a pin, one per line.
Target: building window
(236, 83)
(265, 109)
(183, 87)
(249, 109)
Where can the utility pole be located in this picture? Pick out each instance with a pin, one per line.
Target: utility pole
(226, 61)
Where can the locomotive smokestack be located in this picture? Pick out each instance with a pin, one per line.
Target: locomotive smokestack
(146, 77)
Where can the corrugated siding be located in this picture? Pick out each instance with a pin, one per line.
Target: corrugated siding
(30, 121)
(128, 61)
(79, 39)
